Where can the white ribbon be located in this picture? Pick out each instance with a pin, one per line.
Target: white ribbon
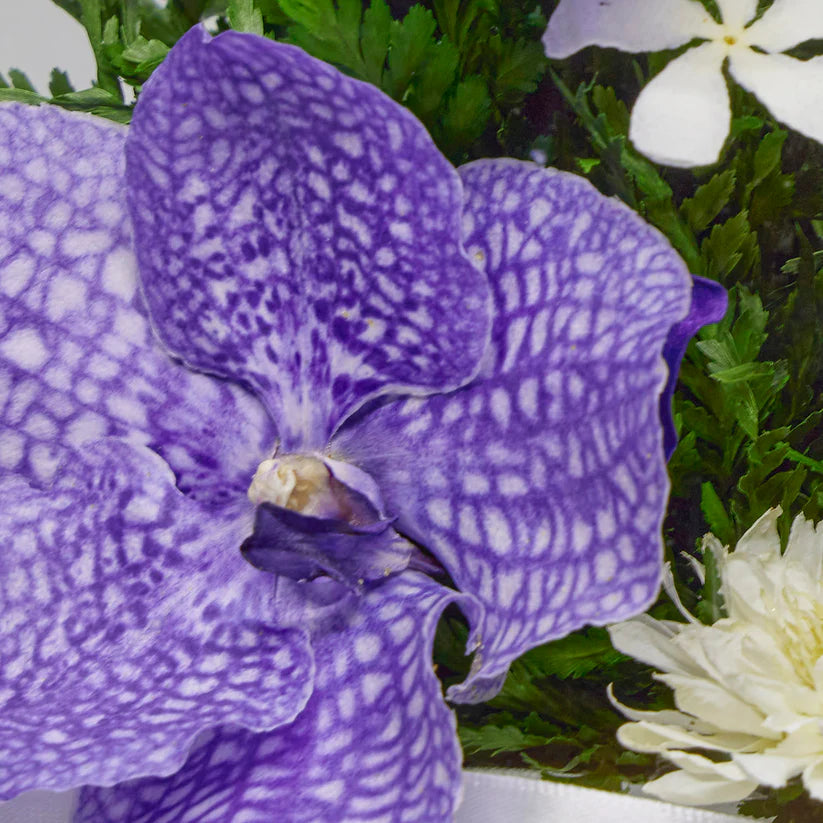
(494, 797)
(489, 797)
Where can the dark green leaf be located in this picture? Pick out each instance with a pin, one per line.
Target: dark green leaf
(708, 201)
(59, 83)
(467, 112)
(374, 40)
(19, 80)
(409, 42)
(20, 96)
(715, 514)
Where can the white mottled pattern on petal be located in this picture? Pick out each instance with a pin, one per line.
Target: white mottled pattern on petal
(791, 89)
(302, 236)
(376, 743)
(629, 25)
(682, 117)
(78, 359)
(130, 623)
(550, 482)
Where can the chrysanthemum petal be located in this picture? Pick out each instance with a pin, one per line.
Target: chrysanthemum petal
(700, 782)
(709, 304)
(770, 768)
(648, 640)
(805, 548)
(710, 701)
(375, 743)
(813, 779)
(682, 117)
(298, 231)
(629, 25)
(130, 624)
(648, 736)
(78, 360)
(787, 23)
(542, 485)
(792, 90)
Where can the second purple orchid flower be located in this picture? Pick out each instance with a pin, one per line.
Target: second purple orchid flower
(271, 317)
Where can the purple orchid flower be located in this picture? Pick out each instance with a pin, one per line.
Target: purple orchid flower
(336, 348)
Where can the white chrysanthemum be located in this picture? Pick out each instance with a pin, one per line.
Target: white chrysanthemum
(748, 688)
(682, 117)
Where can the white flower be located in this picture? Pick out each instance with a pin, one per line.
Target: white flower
(748, 689)
(682, 117)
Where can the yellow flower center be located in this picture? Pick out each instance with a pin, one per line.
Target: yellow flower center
(801, 632)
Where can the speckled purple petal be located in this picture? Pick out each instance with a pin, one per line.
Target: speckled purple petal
(375, 743)
(130, 623)
(709, 304)
(542, 485)
(78, 360)
(298, 231)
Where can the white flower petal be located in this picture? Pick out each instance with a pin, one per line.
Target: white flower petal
(670, 588)
(787, 23)
(771, 769)
(813, 779)
(682, 117)
(629, 25)
(648, 640)
(748, 590)
(707, 700)
(761, 539)
(736, 13)
(791, 89)
(697, 764)
(689, 789)
(805, 546)
(665, 716)
(659, 738)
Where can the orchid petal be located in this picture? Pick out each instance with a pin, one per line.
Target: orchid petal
(298, 231)
(682, 117)
(78, 360)
(375, 743)
(130, 624)
(542, 486)
(787, 23)
(792, 90)
(629, 25)
(736, 13)
(709, 304)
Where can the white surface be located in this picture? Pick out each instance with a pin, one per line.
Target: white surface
(489, 798)
(496, 798)
(61, 42)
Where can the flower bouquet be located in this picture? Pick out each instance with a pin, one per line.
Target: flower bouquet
(388, 389)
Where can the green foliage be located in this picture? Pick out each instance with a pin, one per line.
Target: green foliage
(243, 16)
(431, 59)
